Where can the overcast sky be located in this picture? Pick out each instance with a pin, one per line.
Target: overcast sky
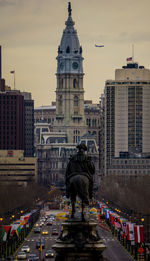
(31, 30)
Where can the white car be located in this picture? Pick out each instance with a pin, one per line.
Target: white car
(21, 255)
(25, 249)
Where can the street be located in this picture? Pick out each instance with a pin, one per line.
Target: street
(113, 252)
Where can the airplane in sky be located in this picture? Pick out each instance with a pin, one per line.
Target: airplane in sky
(99, 45)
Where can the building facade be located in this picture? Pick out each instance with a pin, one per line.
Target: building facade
(69, 91)
(126, 112)
(44, 118)
(11, 120)
(28, 125)
(16, 136)
(17, 169)
(60, 127)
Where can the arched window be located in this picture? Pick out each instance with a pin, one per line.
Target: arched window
(76, 100)
(68, 49)
(95, 122)
(74, 83)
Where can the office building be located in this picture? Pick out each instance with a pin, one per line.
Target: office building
(126, 113)
(28, 125)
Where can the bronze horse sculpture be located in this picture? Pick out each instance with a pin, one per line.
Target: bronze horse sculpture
(79, 178)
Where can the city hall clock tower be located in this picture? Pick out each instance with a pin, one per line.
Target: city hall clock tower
(69, 91)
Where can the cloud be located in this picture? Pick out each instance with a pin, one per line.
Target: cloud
(124, 37)
(6, 3)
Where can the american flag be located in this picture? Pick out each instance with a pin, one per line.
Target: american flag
(129, 59)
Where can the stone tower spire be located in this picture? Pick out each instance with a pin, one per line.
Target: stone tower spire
(69, 91)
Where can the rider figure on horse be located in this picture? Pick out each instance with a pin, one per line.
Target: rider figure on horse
(81, 164)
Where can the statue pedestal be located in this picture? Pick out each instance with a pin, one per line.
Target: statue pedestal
(78, 241)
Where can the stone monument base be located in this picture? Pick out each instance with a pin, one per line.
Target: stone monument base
(79, 241)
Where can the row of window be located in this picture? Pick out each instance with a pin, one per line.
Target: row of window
(129, 171)
(91, 122)
(75, 83)
(132, 162)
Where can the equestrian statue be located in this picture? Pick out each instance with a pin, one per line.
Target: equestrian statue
(79, 178)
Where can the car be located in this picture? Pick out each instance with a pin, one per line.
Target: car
(21, 255)
(49, 253)
(44, 232)
(32, 257)
(39, 243)
(49, 223)
(54, 231)
(37, 230)
(25, 249)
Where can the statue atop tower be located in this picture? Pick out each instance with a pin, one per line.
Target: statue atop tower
(69, 9)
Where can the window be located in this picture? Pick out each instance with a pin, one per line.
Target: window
(75, 100)
(74, 83)
(68, 49)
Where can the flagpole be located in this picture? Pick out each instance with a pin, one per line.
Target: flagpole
(13, 72)
(133, 52)
(14, 80)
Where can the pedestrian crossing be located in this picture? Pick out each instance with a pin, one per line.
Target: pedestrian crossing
(107, 239)
(41, 238)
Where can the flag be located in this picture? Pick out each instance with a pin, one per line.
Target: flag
(138, 234)
(106, 213)
(111, 218)
(12, 71)
(117, 224)
(13, 228)
(124, 228)
(130, 231)
(18, 230)
(5, 230)
(26, 218)
(129, 59)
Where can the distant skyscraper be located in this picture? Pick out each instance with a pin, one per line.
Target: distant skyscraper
(17, 164)
(69, 91)
(11, 120)
(126, 112)
(28, 125)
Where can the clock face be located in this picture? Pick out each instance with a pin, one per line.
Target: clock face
(61, 66)
(75, 65)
